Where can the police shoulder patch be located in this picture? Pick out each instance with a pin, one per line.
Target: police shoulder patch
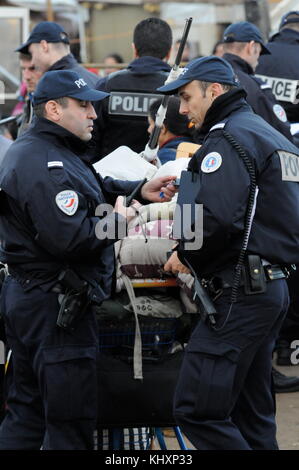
(67, 201)
(211, 162)
(280, 112)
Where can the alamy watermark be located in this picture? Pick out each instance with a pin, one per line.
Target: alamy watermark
(2, 92)
(187, 224)
(295, 354)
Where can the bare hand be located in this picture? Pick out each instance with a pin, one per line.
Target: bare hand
(175, 266)
(128, 212)
(152, 189)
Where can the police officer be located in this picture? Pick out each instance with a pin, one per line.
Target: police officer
(49, 194)
(243, 45)
(246, 177)
(281, 71)
(49, 46)
(123, 118)
(281, 68)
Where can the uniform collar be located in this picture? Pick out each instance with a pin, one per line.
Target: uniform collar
(221, 108)
(54, 133)
(286, 36)
(238, 63)
(66, 62)
(148, 64)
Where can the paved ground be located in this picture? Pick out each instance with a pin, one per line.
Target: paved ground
(287, 417)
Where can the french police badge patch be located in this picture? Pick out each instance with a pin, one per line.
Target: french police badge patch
(211, 162)
(67, 201)
(280, 112)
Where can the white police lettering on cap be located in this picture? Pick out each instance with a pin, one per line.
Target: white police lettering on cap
(280, 112)
(183, 71)
(80, 82)
(211, 162)
(67, 201)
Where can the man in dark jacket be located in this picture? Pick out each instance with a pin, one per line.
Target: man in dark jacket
(49, 46)
(123, 119)
(243, 45)
(241, 182)
(281, 68)
(60, 258)
(281, 72)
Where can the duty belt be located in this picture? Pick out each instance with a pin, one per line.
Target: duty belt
(224, 279)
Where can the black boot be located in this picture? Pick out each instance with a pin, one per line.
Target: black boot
(283, 383)
(283, 352)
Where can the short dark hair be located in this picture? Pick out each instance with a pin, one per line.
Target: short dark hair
(117, 57)
(152, 37)
(174, 121)
(40, 109)
(205, 85)
(27, 57)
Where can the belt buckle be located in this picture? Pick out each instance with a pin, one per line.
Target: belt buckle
(275, 272)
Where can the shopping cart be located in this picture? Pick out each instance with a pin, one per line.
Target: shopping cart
(126, 403)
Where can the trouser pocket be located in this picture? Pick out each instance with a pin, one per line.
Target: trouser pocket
(206, 383)
(70, 388)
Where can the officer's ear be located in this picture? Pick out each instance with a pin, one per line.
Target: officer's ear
(250, 48)
(53, 111)
(44, 45)
(135, 52)
(215, 90)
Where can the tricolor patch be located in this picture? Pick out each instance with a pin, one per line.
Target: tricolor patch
(280, 112)
(211, 162)
(67, 201)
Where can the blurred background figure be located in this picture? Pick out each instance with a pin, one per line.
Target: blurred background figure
(4, 144)
(243, 46)
(30, 77)
(175, 129)
(186, 57)
(49, 46)
(112, 59)
(218, 49)
(281, 68)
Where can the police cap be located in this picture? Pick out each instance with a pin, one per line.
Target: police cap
(244, 32)
(64, 83)
(212, 69)
(46, 30)
(290, 17)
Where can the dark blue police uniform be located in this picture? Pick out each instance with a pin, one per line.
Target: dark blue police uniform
(259, 95)
(246, 177)
(281, 70)
(122, 118)
(49, 193)
(68, 62)
(224, 399)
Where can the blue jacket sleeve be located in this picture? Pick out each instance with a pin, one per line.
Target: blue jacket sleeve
(224, 195)
(68, 235)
